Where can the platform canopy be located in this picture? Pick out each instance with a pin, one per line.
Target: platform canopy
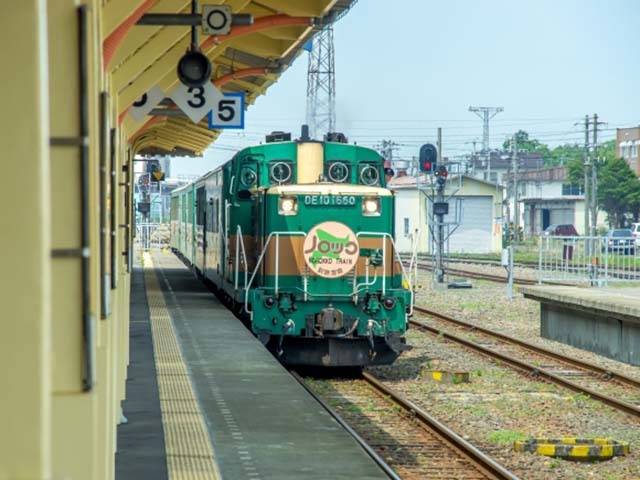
(249, 59)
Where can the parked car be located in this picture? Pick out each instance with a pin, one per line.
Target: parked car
(566, 230)
(620, 241)
(635, 229)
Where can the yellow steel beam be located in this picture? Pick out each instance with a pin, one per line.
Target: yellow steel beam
(115, 12)
(291, 34)
(308, 8)
(247, 86)
(263, 45)
(186, 134)
(151, 51)
(139, 35)
(152, 75)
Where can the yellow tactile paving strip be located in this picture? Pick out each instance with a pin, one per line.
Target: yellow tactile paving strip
(189, 452)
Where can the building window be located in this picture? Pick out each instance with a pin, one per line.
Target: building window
(568, 189)
(406, 227)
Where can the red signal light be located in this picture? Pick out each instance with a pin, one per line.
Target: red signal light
(426, 166)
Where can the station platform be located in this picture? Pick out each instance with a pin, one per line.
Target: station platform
(206, 400)
(602, 320)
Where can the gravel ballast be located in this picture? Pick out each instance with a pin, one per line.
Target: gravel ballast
(499, 405)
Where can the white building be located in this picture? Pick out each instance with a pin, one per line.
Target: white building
(477, 206)
(547, 197)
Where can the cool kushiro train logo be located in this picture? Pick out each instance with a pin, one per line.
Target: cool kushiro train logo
(331, 249)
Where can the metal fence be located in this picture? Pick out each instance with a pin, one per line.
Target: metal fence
(151, 236)
(592, 260)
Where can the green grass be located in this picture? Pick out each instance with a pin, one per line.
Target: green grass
(506, 437)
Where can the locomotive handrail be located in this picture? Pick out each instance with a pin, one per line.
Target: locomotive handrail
(356, 287)
(384, 261)
(259, 262)
(244, 256)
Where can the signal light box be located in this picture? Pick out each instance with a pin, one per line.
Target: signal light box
(428, 158)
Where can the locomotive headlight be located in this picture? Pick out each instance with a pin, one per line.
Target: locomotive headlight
(288, 206)
(371, 206)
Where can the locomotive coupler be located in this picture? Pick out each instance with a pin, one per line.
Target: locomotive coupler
(285, 328)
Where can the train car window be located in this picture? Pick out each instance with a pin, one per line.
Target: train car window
(369, 174)
(338, 172)
(280, 172)
(201, 206)
(216, 216)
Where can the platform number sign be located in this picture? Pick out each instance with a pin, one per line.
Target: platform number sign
(229, 113)
(196, 102)
(143, 105)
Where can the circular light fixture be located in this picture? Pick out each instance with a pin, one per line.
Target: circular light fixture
(371, 205)
(269, 302)
(194, 69)
(287, 204)
(389, 303)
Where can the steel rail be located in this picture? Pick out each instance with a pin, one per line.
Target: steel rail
(486, 464)
(606, 373)
(365, 446)
(485, 276)
(495, 278)
(533, 370)
(621, 272)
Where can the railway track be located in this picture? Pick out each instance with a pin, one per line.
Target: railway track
(623, 273)
(415, 445)
(483, 276)
(616, 390)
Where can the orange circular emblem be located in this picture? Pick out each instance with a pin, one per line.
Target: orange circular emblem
(331, 249)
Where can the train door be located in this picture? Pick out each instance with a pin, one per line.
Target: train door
(201, 227)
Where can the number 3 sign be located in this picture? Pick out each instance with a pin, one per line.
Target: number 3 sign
(196, 102)
(228, 112)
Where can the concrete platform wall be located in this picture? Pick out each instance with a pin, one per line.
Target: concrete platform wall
(607, 336)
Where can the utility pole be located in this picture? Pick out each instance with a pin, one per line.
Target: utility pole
(440, 245)
(386, 149)
(594, 177)
(587, 201)
(516, 210)
(486, 114)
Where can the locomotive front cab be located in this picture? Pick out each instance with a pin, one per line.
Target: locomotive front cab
(329, 287)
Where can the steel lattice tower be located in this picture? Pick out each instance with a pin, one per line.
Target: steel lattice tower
(321, 84)
(486, 114)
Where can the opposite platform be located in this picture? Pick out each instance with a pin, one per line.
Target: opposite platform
(602, 320)
(261, 422)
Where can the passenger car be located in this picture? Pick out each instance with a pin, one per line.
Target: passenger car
(561, 230)
(619, 241)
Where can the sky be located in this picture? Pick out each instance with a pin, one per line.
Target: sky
(405, 68)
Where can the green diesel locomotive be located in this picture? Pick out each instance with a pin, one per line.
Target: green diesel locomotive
(297, 236)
